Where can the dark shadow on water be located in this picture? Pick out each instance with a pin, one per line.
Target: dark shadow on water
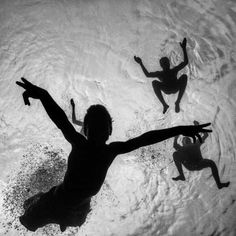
(189, 155)
(168, 82)
(40, 168)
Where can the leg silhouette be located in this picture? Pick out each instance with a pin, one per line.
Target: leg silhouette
(182, 82)
(157, 86)
(178, 159)
(209, 163)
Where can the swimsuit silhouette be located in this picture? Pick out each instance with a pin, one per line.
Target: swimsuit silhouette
(168, 82)
(189, 155)
(69, 203)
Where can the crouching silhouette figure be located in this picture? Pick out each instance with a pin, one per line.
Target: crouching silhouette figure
(168, 82)
(69, 203)
(189, 155)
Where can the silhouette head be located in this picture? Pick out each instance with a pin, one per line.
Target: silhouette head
(97, 124)
(186, 141)
(165, 63)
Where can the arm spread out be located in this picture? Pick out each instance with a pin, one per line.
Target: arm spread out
(149, 74)
(176, 145)
(59, 117)
(184, 63)
(74, 120)
(145, 139)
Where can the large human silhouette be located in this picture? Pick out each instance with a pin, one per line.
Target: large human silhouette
(189, 155)
(168, 82)
(69, 203)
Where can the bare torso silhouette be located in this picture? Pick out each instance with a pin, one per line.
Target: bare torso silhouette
(191, 153)
(84, 177)
(169, 80)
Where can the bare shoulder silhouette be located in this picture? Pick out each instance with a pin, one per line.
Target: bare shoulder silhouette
(168, 82)
(69, 203)
(189, 155)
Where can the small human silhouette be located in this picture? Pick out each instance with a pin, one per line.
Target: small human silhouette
(168, 82)
(189, 155)
(74, 120)
(68, 203)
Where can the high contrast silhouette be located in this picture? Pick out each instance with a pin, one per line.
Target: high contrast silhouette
(69, 203)
(189, 155)
(168, 82)
(74, 120)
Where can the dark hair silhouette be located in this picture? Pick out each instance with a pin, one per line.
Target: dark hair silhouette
(97, 116)
(165, 62)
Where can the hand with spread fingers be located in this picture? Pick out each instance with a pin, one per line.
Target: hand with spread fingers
(194, 130)
(31, 90)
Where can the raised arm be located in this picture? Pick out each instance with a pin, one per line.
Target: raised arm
(56, 114)
(156, 136)
(176, 145)
(148, 74)
(204, 137)
(185, 62)
(74, 120)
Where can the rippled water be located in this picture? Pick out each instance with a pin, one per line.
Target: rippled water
(84, 50)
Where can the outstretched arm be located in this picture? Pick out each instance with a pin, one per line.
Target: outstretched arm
(56, 114)
(77, 122)
(176, 145)
(156, 136)
(148, 74)
(185, 62)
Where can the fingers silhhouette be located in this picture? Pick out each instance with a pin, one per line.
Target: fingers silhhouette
(26, 98)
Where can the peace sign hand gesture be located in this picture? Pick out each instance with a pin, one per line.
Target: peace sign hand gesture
(31, 90)
(194, 130)
(138, 59)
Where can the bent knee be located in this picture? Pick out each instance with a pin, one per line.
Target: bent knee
(176, 156)
(208, 163)
(183, 78)
(155, 84)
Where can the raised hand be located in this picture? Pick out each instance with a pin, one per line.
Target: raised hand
(138, 59)
(194, 130)
(184, 43)
(72, 102)
(31, 90)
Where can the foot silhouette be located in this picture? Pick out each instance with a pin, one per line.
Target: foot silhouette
(177, 108)
(180, 177)
(165, 108)
(223, 185)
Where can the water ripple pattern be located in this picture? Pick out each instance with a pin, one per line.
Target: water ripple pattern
(84, 50)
